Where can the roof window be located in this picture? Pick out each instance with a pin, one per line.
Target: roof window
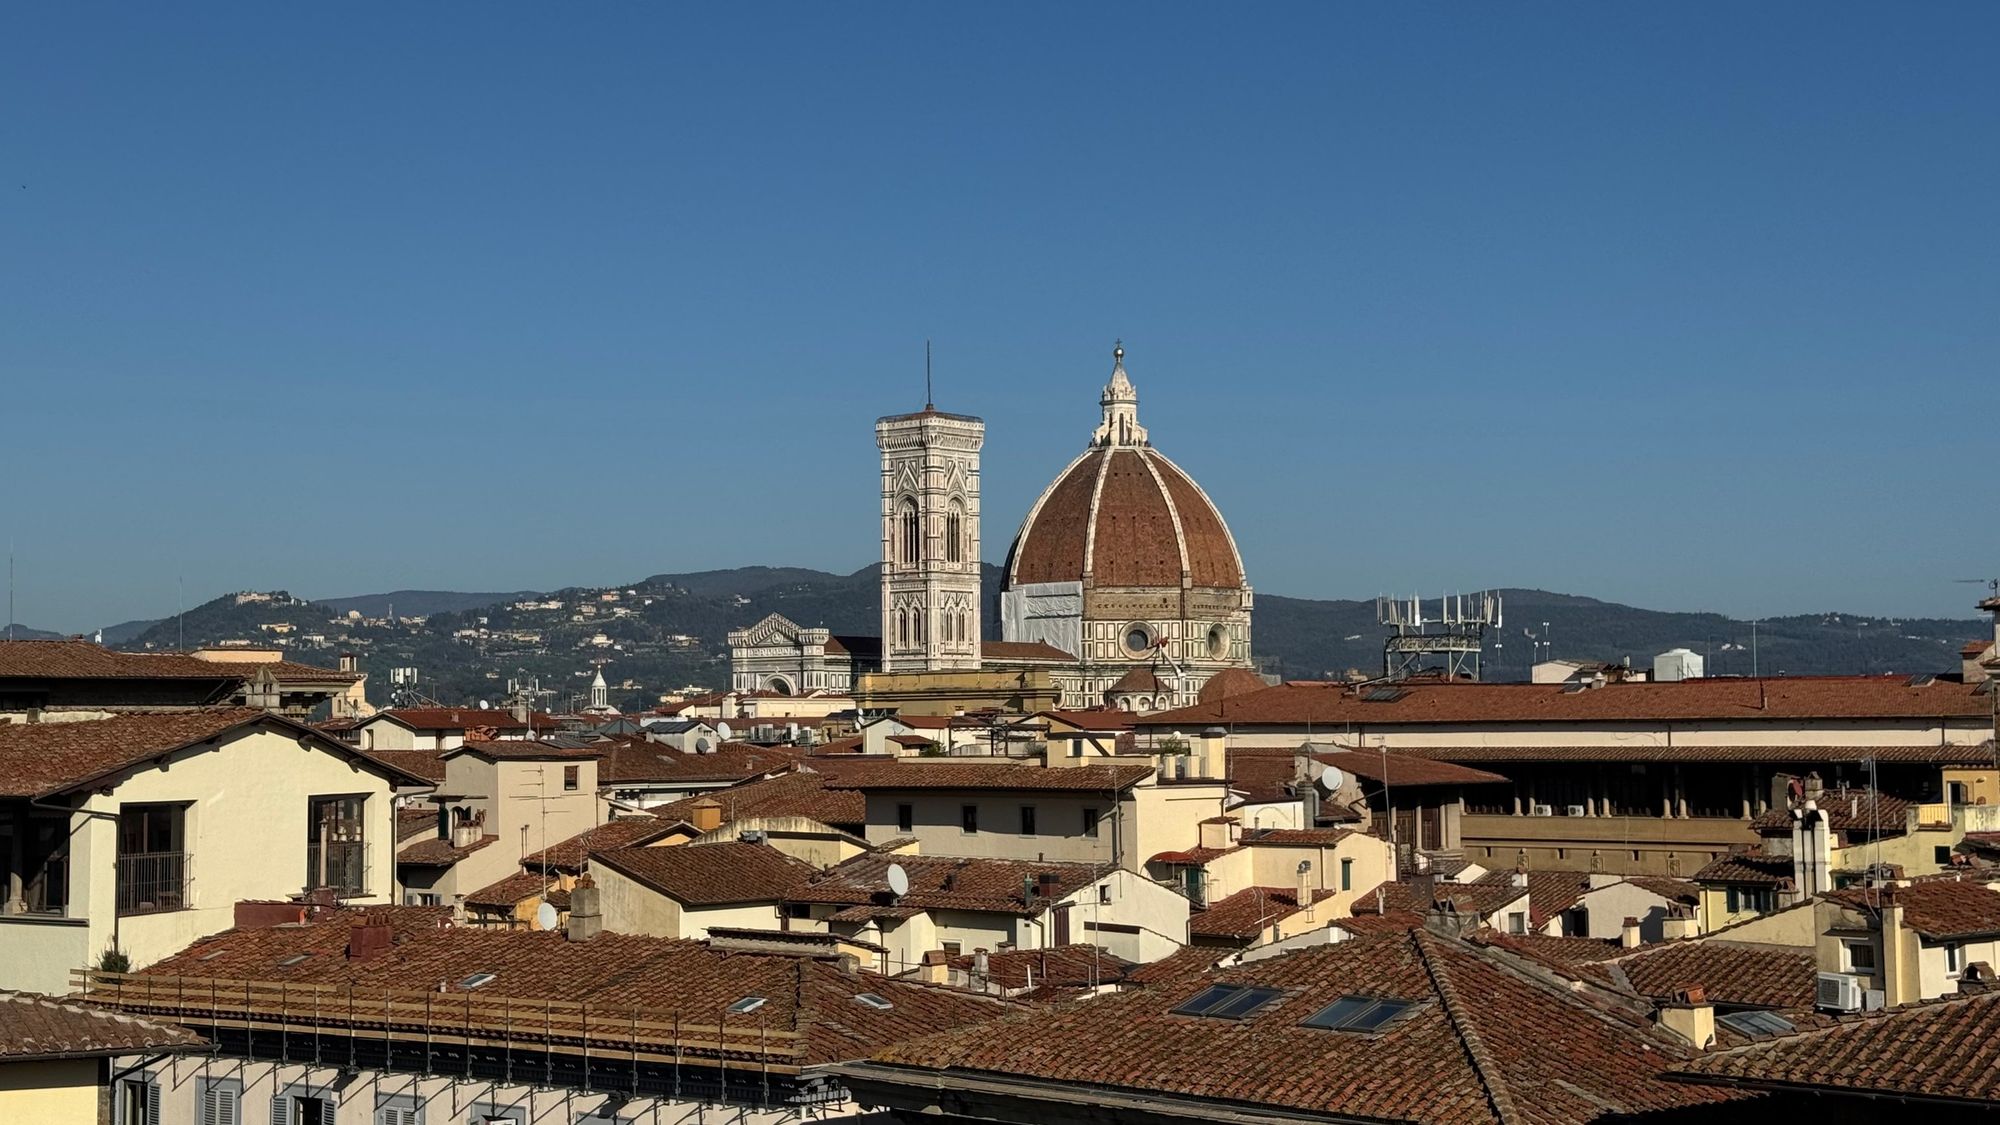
(1228, 1001)
(476, 980)
(1358, 1013)
(747, 1005)
(284, 963)
(1755, 1023)
(875, 1001)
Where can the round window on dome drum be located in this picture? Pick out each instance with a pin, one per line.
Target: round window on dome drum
(1218, 642)
(1138, 639)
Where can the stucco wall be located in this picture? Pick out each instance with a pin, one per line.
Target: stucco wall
(938, 826)
(630, 908)
(38, 954)
(57, 1092)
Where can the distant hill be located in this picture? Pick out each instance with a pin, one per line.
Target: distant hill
(21, 632)
(126, 630)
(419, 603)
(670, 630)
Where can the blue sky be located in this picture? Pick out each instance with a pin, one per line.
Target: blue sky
(1685, 307)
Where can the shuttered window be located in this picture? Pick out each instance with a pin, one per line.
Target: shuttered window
(138, 1102)
(294, 1107)
(221, 1102)
(400, 1111)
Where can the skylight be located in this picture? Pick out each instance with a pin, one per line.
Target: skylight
(1228, 1001)
(874, 1001)
(478, 979)
(1358, 1013)
(1757, 1023)
(288, 962)
(747, 1005)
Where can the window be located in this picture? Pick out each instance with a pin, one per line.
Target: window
(906, 818)
(477, 980)
(968, 817)
(1090, 822)
(873, 1000)
(1346, 874)
(1104, 894)
(1138, 639)
(1517, 923)
(570, 776)
(951, 948)
(1228, 1002)
(1941, 855)
(398, 1109)
(294, 1108)
(336, 856)
(1755, 1023)
(954, 534)
(152, 862)
(1027, 820)
(912, 534)
(1218, 643)
(138, 1102)
(1858, 956)
(746, 1005)
(494, 1115)
(1358, 1013)
(1954, 959)
(420, 898)
(798, 910)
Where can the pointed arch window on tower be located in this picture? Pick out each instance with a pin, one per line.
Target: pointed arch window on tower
(954, 533)
(902, 627)
(911, 533)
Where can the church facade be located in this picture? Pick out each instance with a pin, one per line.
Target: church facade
(1123, 584)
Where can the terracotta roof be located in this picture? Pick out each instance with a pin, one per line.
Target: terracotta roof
(1405, 770)
(1549, 892)
(523, 750)
(1948, 1050)
(1117, 507)
(42, 1027)
(618, 832)
(1189, 961)
(1794, 697)
(1038, 651)
(1936, 908)
(1747, 869)
(640, 762)
(1568, 954)
(75, 658)
(805, 793)
(1100, 719)
(1064, 967)
(1139, 677)
(1757, 976)
(1847, 810)
(1973, 649)
(918, 740)
(943, 775)
(509, 892)
(709, 874)
(1673, 890)
(439, 852)
(1791, 755)
(1263, 775)
(1375, 925)
(1246, 913)
(946, 883)
(412, 823)
(426, 764)
(462, 718)
(1296, 837)
(1470, 898)
(1228, 683)
(46, 758)
(664, 978)
(1474, 1047)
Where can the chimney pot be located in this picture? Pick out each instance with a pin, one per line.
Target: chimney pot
(1628, 933)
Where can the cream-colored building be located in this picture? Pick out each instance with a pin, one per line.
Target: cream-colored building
(681, 892)
(57, 1058)
(140, 833)
(501, 800)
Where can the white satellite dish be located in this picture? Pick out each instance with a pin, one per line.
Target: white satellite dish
(545, 917)
(1331, 779)
(899, 880)
(722, 731)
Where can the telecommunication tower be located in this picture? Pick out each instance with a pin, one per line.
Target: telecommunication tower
(1456, 632)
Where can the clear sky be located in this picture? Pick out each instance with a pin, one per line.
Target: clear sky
(1694, 307)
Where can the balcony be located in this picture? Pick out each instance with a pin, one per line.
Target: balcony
(153, 882)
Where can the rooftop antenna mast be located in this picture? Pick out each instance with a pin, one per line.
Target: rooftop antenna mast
(929, 401)
(10, 591)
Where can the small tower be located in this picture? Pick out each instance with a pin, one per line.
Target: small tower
(1121, 407)
(930, 540)
(600, 693)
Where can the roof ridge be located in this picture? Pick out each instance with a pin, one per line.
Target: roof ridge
(1460, 1017)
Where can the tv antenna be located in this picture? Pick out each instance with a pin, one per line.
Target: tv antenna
(1992, 584)
(928, 400)
(1455, 631)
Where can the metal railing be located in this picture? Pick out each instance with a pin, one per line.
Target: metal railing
(153, 882)
(461, 1018)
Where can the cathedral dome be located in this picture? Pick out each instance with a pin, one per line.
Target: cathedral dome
(1123, 516)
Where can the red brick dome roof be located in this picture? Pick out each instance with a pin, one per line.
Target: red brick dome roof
(1123, 515)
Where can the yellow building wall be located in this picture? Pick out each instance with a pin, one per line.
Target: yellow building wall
(56, 1092)
(941, 693)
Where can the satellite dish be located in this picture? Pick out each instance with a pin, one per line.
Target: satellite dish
(723, 732)
(545, 917)
(1331, 779)
(899, 880)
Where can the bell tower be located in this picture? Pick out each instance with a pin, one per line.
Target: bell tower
(930, 540)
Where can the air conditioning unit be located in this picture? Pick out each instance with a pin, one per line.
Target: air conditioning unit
(1545, 810)
(1574, 810)
(1838, 992)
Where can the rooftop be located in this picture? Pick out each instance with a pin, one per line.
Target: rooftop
(618, 832)
(943, 882)
(42, 1027)
(1939, 909)
(1732, 973)
(953, 775)
(709, 874)
(75, 658)
(462, 718)
(1244, 914)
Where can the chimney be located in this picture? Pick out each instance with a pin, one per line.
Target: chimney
(1814, 787)
(936, 968)
(520, 710)
(1812, 844)
(707, 815)
(1304, 893)
(1895, 952)
(370, 938)
(1521, 875)
(1689, 1015)
(1628, 933)
(1680, 924)
(1977, 977)
(584, 920)
(980, 968)
(349, 663)
(1443, 917)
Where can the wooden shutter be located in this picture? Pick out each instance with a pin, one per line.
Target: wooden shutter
(281, 1110)
(219, 1104)
(152, 1103)
(327, 1106)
